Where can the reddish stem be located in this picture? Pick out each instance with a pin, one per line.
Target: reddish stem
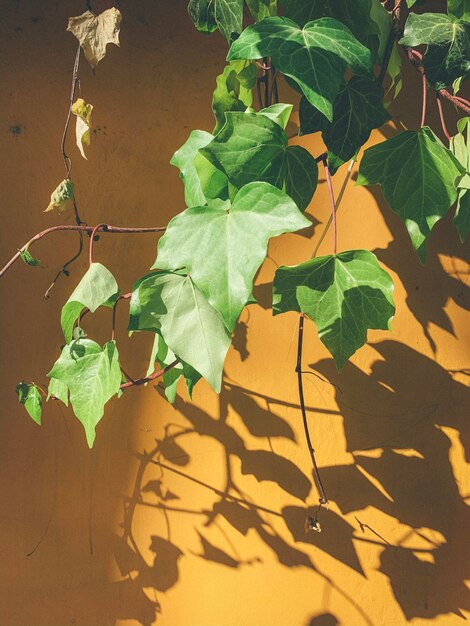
(425, 91)
(125, 296)
(106, 228)
(441, 115)
(142, 381)
(92, 238)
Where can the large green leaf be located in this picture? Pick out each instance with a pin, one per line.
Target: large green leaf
(460, 146)
(234, 90)
(163, 356)
(171, 303)
(30, 397)
(253, 147)
(315, 57)
(447, 57)
(98, 287)
(344, 294)
(418, 178)
(200, 178)
(223, 246)
(93, 377)
(357, 16)
(227, 15)
(357, 110)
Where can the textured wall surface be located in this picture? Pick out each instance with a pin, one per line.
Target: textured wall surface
(140, 530)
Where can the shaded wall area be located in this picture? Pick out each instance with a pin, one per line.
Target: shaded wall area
(193, 515)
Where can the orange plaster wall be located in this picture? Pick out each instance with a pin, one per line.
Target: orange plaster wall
(391, 432)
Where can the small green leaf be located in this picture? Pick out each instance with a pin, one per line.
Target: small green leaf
(447, 57)
(171, 303)
(200, 178)
(62, 194)
(459, 9)
(234, 90)
(224, 262)
(253, 147)
(421, 194)
(260, 9)
(226, 15)
(30, 397)
(28, 258)
(92, 376)
(98, 287)
(59, 390)
(279, 113)
(460, 146)
(315, 57)
(357, 110)
(162, 355)
(344, 294)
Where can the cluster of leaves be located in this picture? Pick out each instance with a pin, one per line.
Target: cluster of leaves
(244, 185)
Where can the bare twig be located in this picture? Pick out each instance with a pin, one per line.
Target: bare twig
(105, 228)
(323, 497)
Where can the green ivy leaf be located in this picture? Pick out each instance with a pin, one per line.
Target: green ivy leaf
(97, 287)
(28, 258)
(253, 147)
(202, 14)
(357, 110)
(162, 355)
(226, 15)
(447, 56)
(460, 146)
(92, 376)
(315, 57)
(420, 194)
(357, 16)
(459, 9)
(234, 90)
(279, 113)
(59, 390)
(344, 294)
(224, 262)
(30, 397)
(171, 303)
(260, 9)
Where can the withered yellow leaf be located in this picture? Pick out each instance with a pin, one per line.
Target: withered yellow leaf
(83, 113)
(94, 32)
(60, 196)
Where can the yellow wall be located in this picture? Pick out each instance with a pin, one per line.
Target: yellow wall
(390, 433)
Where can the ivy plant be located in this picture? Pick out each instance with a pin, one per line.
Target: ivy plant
(245, 184)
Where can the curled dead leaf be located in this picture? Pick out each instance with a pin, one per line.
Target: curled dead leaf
(94, 32)
(60, 196)
(83, 113)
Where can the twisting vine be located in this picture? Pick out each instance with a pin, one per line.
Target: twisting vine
(244, 184)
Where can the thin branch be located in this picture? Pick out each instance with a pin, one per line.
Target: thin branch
(323, 497)
(425, 91)
(147, 379)
(124, 296)
(416, 59)
(442, 118)
(64, 269)
(75, 80)
(338, 202)
(105, 228)
(332, 202)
